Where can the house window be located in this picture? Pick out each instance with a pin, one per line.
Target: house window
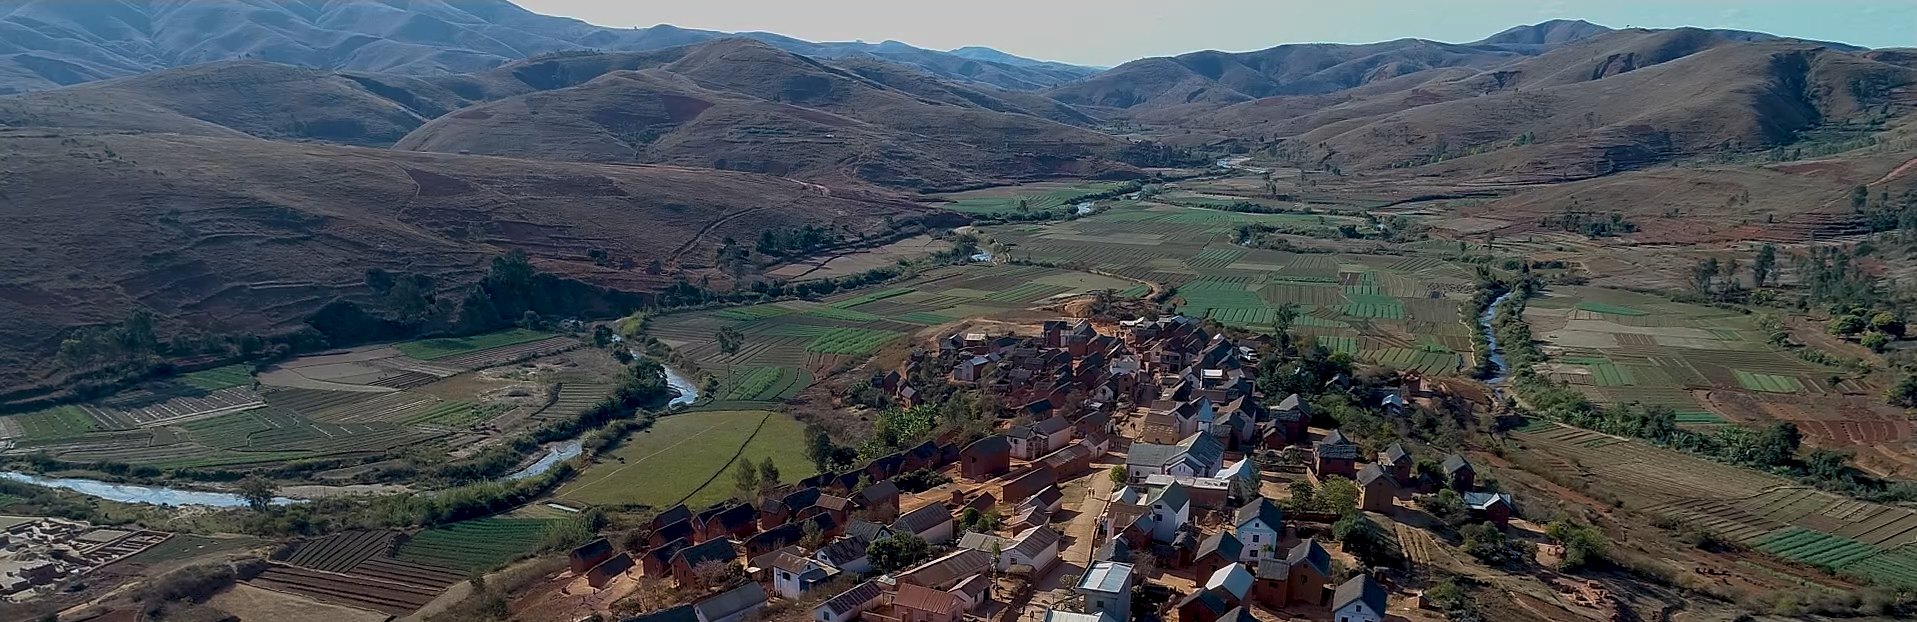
(1254, 538)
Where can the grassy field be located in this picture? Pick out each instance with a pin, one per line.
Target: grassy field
(687, 456)
(430, 349)
(57, 422)
(474, 545)
(220, 377)
(1038, 197)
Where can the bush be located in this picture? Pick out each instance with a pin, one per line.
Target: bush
(1584, 545)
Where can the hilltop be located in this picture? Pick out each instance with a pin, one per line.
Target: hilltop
(53, 43)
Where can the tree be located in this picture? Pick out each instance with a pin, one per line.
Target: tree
(1488, 544)
(1302, 494)
(745, 477)
(1364, 540)
(814, 536)
(1338, 496)
(1859, 197)
(897, 552)
(601, 335)
(1766, 265)
(1846, 325)
(1583, 544)
(1283, 317)
(258, 492)
(729, 339)
(819, 447)
(1887, 323)
(1704, 276)
(1446, 506)
(1117, 475)
(1877, 342)
(768, 475)
(1904, 393)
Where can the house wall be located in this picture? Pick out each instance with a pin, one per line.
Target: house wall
(1356, 612)
(1265, 546)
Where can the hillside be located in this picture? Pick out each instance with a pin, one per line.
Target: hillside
(743, 105)
(1605, 102)
(46, 44)
(246, 236)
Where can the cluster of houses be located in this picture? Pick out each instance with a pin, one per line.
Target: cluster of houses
(1062, 388)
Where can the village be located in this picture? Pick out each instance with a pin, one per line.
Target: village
(1136, 474)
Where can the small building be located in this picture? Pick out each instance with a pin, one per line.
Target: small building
(739, 520)
(971, 370)
(932, 523)
(1359, 600)
(946, 572)
(1209, 493)
(681, 528)
(732, 606)
(1034, 441)
(793, 576)
(879, 501)
(1031, 483)
(657, 562)
(686, 561)
(1300, 577)
(1107, 589)
(868, 530)
(604, 572)
(1294, 417)
(912, 603)
(1047, 501)
(849, 604)
(1217, 551)
(986, 458)
(1244, 478)
(1170, 511)
(1491, 507)
(1377, 493)
(1459, 475)
(1259, 525)
(586, 556)
(847, 554)
(1232, 582)
(1397, 462)
(671, 515)
(1202, 606)
(1335, 455)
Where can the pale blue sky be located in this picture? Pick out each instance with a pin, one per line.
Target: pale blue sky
(1109, 32)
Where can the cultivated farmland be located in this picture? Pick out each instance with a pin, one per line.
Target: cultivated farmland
(434, 349)
(683, 458)
(474, 545)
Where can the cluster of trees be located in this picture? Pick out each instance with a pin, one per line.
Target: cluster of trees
(1874, 329)
(897, 552)
(1590, 224)
(782, 242)
(752, 479)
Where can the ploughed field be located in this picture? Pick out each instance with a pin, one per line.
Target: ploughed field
(336, 405)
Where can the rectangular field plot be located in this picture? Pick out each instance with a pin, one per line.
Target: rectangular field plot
(56, 422)
(1768, 383)
(685, 454)
(851, 341)
(765, 384)
(474, 545)
(219, 378)
(1845, 556)
(432, 349)
(1609, 309)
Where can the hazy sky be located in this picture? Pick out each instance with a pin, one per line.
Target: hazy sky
(1109, 32)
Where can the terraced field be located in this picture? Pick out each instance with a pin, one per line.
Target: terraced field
(435, 349)
(474, 545)
(683, 458)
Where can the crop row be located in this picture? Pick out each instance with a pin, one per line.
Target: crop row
(475, 544)
(852, 341)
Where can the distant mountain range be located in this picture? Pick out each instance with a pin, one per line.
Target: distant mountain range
(47, 44)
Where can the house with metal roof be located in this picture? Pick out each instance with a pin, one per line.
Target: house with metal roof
(846, 553)
(732, 606)
(1359, 600)
(932, 523)
(1489, 506)
(1233, 582)
(1259, 526)
(947, 571)
(1170, 510)
(1217, 551)
(1398, 462)
(1377, 492)
(1459, 474)
(1107, 588)
(849, 604)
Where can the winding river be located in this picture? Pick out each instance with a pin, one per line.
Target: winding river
(162, 495)
(1501, 369)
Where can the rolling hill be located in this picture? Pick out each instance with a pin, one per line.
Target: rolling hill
(46, 44)
(237, 235)
(740, 104)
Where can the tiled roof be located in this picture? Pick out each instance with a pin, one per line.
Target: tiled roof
(1395, 455)
(924, 599)
(1360, 589)
(1340, 451)
(1372, 473)
(1274, 569)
